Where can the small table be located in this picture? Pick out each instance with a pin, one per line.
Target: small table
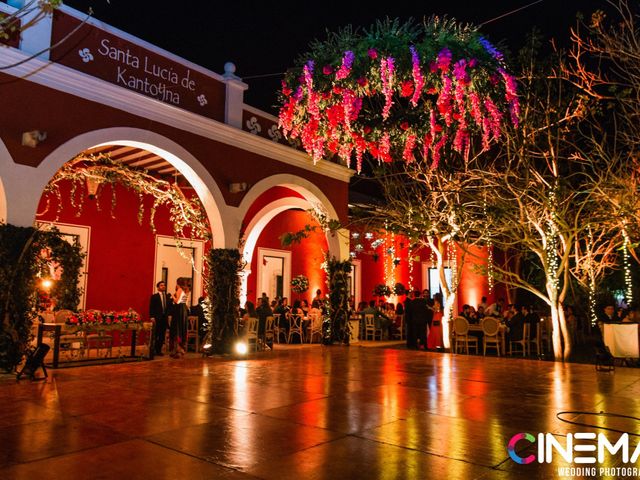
(622, 339)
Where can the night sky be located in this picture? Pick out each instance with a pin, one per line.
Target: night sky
(266, 37)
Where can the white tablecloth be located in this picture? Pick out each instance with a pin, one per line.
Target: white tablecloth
(622, 339)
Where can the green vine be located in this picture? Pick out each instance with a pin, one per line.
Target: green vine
(336, 322)
(223, 289)
(186, 215)
(25, 253)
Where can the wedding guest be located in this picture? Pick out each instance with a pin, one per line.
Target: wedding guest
(178, 330)
(418, 316)
(434, 340)
(160, 305)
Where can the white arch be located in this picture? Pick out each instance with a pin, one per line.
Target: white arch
(315, 197)
(263, 217)
(304, 187)
(189, 166)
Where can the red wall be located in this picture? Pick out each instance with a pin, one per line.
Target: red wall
(306, 257)
(121, 252)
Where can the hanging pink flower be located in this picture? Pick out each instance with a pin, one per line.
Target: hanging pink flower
(444, 100)
(495, 118)
(327, 69)
(387, 68)
(345, 69)
(373, 54)
(418, 77)
(406, 88)
(384, 151)
(409, 145)
(436, 150)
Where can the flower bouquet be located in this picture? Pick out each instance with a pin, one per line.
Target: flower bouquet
(300, 284)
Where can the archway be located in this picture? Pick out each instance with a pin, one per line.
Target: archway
(23, 191)
(258, 210)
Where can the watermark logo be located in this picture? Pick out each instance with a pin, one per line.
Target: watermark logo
(581, 450)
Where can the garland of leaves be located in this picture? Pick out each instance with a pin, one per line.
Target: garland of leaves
(65, 292)
(21, 263)
(186, 215)
(335, 327)
(223, 289)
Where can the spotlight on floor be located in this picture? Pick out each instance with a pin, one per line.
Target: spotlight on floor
(241, 348)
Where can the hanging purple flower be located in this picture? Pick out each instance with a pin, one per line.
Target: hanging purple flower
(493, 51)
(345, 69)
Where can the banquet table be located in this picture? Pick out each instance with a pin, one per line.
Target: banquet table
(622, 339)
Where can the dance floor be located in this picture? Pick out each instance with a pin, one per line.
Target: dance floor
(305, 413)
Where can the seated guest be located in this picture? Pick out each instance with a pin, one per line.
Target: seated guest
(495, 309)
(304, 305)
(263, 311)
(633, 315)
(480, 313)
(466, 312)
(483, 304)
(315, 309)
(608, 314)
(283, 309)
(381, 321)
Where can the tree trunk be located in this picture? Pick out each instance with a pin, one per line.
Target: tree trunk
(560, 331)
(449, 301)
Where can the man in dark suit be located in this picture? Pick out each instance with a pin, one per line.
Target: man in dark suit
(159, 308)
(418, 315)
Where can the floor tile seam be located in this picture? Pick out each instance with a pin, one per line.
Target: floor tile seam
(196, 457)
(417, 450)
(74, 452)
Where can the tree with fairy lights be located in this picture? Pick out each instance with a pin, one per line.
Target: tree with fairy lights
(547, 189)
(424, 101)
(605, 66)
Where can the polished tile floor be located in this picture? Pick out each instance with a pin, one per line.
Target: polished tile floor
(305, 413)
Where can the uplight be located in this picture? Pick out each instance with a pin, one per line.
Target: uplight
(241, 348)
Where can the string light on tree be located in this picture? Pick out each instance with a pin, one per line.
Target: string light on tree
(410, 261)
(592, 280)
(628, 281)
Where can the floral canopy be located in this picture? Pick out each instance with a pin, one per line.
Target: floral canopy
(399, 91)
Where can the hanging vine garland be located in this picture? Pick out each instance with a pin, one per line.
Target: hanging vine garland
(186, 215)
(399, 91)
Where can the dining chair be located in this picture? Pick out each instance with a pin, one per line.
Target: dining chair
(523, 342)
(251, 334)
(537, 341)
(192, 333)
(276, 327)
(461, 327)
(295, 328)
(315, 327)
(491, 330)
(269, 331)
(369, 326)
(400, 333)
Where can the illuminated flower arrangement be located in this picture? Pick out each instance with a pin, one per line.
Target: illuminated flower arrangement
(382, 290)
(399, 92)
(93, 317)
(300, 284)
